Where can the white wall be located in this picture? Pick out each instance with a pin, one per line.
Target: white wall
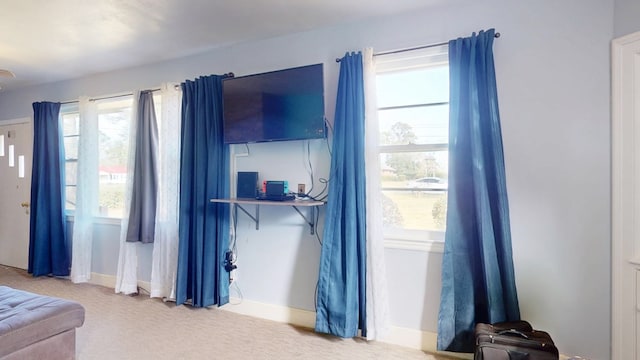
(553, 79)
(626, 13)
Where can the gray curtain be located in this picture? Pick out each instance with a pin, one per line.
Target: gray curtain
(142, 214)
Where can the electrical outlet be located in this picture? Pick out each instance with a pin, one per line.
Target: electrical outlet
(301, 188)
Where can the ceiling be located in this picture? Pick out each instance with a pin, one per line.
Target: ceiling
(45, 41)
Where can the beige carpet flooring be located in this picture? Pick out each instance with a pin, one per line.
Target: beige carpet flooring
(137, 327)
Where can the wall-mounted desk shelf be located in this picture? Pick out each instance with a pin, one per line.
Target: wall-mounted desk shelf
(312, 205)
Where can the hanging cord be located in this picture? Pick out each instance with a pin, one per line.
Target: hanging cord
(324, 189)
(309, 170)
(326, 139)
(234, 285)
(319, 196)
(233, 248)
(234, 238)
(315, 297)
(317, 232)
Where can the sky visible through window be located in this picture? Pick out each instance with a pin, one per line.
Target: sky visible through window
(430, 124)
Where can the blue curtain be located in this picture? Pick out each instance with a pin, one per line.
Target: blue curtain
(341, 307)
(478, 282)
(48, 252)
(204, 175)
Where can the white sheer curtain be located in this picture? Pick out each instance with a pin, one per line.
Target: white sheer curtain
(86, 191)
(378, 320)
(127, 273)
(164, 262)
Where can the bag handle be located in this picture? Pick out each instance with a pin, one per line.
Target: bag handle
(513, 332)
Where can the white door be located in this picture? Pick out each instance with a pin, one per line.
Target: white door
(16, 141)
(625, 196)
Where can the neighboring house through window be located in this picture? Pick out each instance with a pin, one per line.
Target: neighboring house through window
(413, 114)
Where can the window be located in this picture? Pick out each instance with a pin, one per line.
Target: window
(413, 115)
(114, 122)
(71, 129)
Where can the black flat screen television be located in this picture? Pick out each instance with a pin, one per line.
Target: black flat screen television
(274, 106)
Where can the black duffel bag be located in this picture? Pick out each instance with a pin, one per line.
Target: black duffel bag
(515, 340)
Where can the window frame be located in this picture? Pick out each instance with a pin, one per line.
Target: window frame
(70, 108)
(73, 108)
(404, 238)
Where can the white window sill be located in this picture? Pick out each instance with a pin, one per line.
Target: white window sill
(421, 245)
(427, 241)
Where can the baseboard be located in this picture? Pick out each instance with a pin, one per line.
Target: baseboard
(110, 281)
(411, 338)
(283, 314)
(103, 280)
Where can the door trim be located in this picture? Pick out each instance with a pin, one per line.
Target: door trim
(625, 199)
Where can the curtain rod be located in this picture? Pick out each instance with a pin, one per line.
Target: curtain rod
(99, 98)
(497, 35)
(116, 96)
(176, 87)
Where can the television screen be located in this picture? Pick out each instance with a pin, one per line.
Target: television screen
(274, 106)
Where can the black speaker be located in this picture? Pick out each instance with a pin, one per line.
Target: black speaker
(247, 187)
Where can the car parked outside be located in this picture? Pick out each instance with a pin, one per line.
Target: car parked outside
(428, 183)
